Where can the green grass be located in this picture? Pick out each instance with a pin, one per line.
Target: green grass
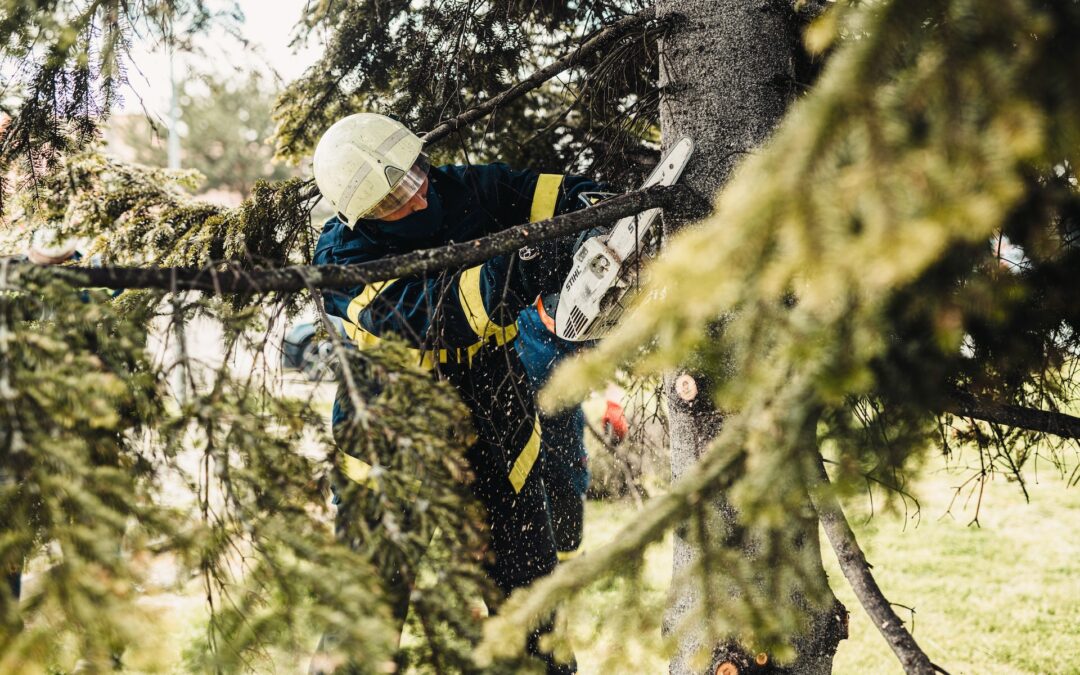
(1002, 597)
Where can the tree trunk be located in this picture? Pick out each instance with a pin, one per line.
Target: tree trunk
(727, 77)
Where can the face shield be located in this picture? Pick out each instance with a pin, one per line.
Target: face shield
(403, 191)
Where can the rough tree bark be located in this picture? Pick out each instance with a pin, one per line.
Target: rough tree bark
(727, 77)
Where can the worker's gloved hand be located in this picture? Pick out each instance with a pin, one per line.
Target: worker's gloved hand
(545, 308)
(542, 267)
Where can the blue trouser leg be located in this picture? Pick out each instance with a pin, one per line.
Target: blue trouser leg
(566, 475)
(495, 391)
(565, 467)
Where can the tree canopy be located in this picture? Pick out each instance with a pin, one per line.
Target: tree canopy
(891, 275)
(226, 132)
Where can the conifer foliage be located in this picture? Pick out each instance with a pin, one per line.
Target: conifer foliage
(77, 394)
(894, 265)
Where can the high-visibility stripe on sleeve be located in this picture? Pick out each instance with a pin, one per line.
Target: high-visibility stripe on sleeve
(545, 196)
(519, 472)
(353, 328)
(357, 470)
(360, 302)
(363, 339)
(472, 305)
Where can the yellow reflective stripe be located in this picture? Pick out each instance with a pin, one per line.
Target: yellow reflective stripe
(505, 334)
(362, 338)
(357, 470)
(365, 339)
(472, 305)
(360, 302)
(545, 196)
(563, 556)
(472, 301)
(424, 359)
(524, 463)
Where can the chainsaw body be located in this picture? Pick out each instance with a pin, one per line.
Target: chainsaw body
(607, 267)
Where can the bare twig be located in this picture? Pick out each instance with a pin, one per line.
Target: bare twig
(857, 571)
(636, 490)
(233, 279)
(605, 37)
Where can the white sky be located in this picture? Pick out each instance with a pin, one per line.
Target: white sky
(268, 27)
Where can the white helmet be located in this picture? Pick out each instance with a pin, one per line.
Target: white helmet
(48, 248)
(368, 166)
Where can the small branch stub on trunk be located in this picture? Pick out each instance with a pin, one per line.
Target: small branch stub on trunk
(727, 668)
(686, 387)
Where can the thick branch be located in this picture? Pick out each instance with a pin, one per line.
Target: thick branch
(1047, 421)
(607, 36)
(300, 277)
(857, 571)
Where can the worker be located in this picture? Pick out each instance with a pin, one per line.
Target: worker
(389, 201)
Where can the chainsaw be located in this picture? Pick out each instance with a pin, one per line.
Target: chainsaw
(607, 267)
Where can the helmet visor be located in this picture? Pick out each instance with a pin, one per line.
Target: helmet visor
(401, 193)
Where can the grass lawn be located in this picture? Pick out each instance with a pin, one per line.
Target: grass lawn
(1000, 598)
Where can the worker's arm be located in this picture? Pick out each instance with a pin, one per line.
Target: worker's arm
(516, 196)
(457, 309)
(448, 309)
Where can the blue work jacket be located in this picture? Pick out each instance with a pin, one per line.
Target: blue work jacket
(447, 316)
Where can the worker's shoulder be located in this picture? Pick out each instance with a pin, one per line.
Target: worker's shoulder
(331, 231)
(338, 243)
(494, 183)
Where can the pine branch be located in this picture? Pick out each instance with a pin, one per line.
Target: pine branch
(233, 279)
(715, 473)
(607, 36)
(1060, 424)
(857, 571)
